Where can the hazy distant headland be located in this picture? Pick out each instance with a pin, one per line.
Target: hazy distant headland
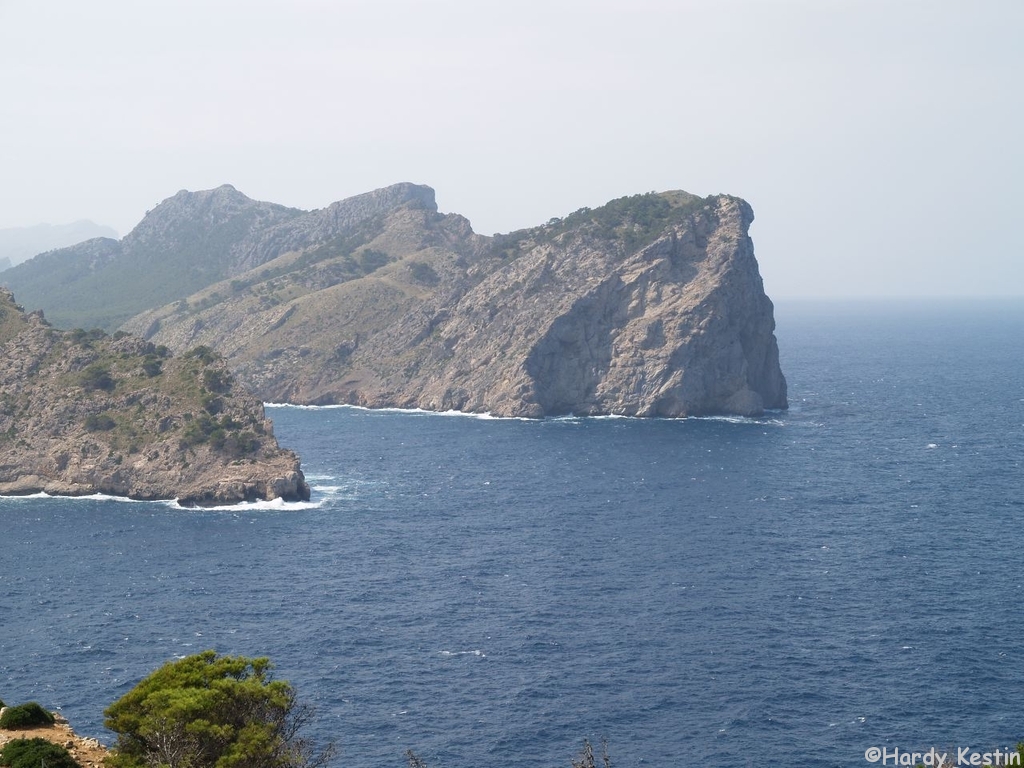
(18, 244)
(651, 305)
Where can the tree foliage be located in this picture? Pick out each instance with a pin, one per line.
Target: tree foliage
(31, 753)
(27, 715)
(97, 376)
(210, 711)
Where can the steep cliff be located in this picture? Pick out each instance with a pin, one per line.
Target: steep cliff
(649, 306)
(84, 413)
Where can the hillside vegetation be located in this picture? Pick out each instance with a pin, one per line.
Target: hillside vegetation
(82, 412)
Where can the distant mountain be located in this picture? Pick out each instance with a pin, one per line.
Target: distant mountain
(186, 243)
(651, 305)
(181, 246)
(20, 243)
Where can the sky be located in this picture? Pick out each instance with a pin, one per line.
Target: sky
(878, 141)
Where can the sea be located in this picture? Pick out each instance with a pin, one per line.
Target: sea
(840, 581)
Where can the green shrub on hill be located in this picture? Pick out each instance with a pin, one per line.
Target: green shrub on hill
(23, 716)
(210, 711)
(634, 221)
(32, 753)
(216, 380)
(152, 365)
(424, 273)
(97, 376)
(202, 353)
(99, 422)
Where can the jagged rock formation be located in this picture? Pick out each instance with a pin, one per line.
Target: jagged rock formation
(83, 413)
(649, 306)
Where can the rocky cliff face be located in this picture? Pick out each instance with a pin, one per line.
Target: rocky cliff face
(648, 306)
(83, 413)
(681, 326)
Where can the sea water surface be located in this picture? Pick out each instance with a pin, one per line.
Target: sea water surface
(792, 589)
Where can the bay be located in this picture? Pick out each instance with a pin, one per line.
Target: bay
(795, 588)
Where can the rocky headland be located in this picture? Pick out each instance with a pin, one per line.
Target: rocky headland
(651, 305)
(83, 413)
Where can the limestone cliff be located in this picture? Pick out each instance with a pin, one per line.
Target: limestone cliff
(84, 413)
(649, 306)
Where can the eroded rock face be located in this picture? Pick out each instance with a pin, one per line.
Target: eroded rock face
(649, 306)
(82, 413)
(680, 327)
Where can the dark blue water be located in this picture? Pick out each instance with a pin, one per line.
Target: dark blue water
(793, 589)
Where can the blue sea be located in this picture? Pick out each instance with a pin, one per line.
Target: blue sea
(787, 590)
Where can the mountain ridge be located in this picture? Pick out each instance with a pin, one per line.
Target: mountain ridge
(651, 305)
(18, 244)
(182, 245)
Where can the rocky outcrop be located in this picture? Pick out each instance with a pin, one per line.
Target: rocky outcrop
(679, 327)
(649, 306)
(84, 413)
(320, 227)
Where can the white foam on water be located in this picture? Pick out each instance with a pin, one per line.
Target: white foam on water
(273, 504)
(89, 497)
(477, 653)
(26, 497)
(411, 411)
(249, 506)
(758, 420)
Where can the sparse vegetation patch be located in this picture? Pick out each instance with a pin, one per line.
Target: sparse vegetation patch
(30, 715)
(33, 753)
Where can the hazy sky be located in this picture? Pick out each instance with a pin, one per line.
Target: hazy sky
(878, 142)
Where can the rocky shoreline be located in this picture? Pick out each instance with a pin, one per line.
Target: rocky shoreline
(87, 752)
(84, 413)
